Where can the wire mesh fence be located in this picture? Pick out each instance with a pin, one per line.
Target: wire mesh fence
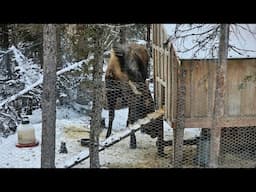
(162, 124)
(138, 140)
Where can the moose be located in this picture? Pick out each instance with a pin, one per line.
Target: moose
(126, 75)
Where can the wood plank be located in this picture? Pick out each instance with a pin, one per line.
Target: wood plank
(223, 122)
(233, 95)
(237, 121)
(171, 85)
(205, 122)
(188, 97)
(168, 87)
(174, 84)
(211, 86)
(160, 49)
(248, 94)
(161, 81)
(199, 81)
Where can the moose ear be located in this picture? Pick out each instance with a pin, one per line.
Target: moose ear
(118, 49)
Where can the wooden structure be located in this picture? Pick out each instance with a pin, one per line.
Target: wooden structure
(185, 90)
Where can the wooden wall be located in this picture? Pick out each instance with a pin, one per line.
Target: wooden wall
(240, 104)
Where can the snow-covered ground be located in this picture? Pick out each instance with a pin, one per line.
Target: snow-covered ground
(70, 128)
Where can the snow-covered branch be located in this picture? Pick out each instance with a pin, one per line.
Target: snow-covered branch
(38, 82)
(2, 53)
(29, 72)
(75, 65)
(115, 26)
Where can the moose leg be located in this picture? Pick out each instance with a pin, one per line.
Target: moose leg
(160, 137)
(111, 114)
(111, 118)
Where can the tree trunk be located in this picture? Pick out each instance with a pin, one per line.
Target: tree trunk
(41, 48)
(49, 96)
(218, 109)
(5, 46)
(123, 35)
(58, 39)
(96, 126)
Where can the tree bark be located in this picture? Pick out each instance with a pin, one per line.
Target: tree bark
(41, 48)
(49, 96)
(5, 46)
(218, 109)
(96, 126)
(123, 35)
(58, 40)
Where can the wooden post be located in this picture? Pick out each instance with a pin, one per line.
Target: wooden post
(178, 131)
(160, 138)
(133, 143)
(218, 109)
(149, 47)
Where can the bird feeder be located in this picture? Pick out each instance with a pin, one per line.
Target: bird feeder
(26, 134)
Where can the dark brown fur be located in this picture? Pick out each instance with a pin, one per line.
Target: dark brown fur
(131, 63)
(128, 63)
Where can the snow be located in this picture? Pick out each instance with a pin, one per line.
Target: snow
(30, 86)
(70, 127)
(120, 119)
(240, 38)
(27, 89)
(29, 71)
(15, 157)
(139, 41)
(72, 66)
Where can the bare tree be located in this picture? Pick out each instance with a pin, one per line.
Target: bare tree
(205, 37)
(218, 109)
(49, 96)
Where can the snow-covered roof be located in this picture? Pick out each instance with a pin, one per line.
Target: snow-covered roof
(240, 38)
